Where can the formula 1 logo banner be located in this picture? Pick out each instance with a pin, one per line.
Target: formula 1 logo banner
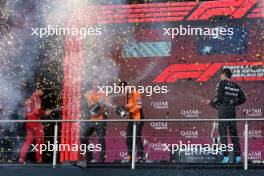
(203, 72)
(176, 11)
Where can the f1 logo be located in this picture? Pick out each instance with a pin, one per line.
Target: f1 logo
(233, 8)
(201, 72)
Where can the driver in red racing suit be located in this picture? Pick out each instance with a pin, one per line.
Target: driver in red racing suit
(34, 129)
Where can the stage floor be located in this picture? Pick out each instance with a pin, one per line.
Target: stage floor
(124, 170)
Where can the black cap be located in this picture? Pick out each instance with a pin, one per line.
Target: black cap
(227, 72)
(123, 83)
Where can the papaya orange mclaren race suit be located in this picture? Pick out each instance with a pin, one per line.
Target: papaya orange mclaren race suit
(35, 130)
(96, 110)
(228, 96)
(134, 102)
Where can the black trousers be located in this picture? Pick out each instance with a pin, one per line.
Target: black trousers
(100, 128)
(232, 127)
(129, 138)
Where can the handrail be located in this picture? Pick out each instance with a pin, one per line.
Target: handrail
(246, 120)
(131, 120)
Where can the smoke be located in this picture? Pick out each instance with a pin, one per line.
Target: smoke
(17, 53)
(104, 70)
(57, 12)
(147, 70)
(18, 50)
(99, 70)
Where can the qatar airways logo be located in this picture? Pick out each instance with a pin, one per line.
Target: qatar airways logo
(189, 134)
(251, 112)
(255, 133)
(123, 134)
(191, 113)
(160, 104)
(255, 155)
(159, 125)
(157, 146)
(123, 155)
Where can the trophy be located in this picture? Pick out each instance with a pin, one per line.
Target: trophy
(121, 111)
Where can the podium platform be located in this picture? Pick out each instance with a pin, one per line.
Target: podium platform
(124, 170)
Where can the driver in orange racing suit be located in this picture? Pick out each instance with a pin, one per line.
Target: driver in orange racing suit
(34, 129)
(134, 106)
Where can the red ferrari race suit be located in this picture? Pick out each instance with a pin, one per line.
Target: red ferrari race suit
(34, 129)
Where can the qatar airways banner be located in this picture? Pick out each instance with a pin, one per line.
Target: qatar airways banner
(188, 66)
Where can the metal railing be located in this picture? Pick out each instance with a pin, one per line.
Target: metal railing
(133, 164)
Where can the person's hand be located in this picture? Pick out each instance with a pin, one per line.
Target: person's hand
(48, 112)
(206, 101)
(128, 105)
(28, 101)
